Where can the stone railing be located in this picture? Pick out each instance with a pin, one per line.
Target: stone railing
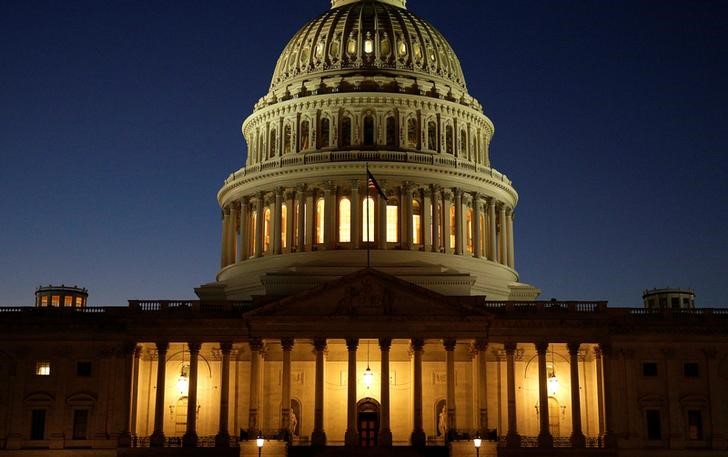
(176, 441)
(592, 442)
(545, 306)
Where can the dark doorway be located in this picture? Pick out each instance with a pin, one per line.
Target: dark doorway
(368, 420)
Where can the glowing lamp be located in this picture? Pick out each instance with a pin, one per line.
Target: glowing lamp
(183, 383)
(553, 384)
(368, 44)
(260, 441)
(368, 375)
(477, 442)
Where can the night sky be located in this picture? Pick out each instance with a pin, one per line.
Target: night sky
(119, 121)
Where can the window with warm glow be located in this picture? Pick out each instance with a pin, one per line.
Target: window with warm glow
(368, 220)
(56, 300)
(416, 222)
(320, 221)
(452, 227)
(43, 368)
(266, 229)
(345, 220)
(469, 229)
(79, 301)
(67, 300)
(392, 222)
(44, 300)
(284, 224)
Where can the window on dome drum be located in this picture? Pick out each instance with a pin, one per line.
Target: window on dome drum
(284, 225)
(463, 144)
(325, 133)
(368, 130)
(652, 422)
(391, 132)
(43, 368)
(469, 229)
(449, 139)
(304, 135)
(432, 136)
(56, 300)
(266, 230)
(695, 424)
(44, 300)
(80, 424)
(37, 424)
(691, 370)
(272, 145)
(345, 132)
(344, 220)
(83, 369)
(649, 369)
(452, 227)
(79, 301)
(68, 301)
(287, 139)
(416, 222)
(412, 133)
(392, 221)
(320, 218)
(368, 220)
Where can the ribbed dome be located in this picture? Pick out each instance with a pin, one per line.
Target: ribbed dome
(367, 37)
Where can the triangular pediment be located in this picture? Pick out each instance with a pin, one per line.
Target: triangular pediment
(369, 293)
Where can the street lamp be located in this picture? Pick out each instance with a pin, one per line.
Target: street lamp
(260, 442)
(477, 442)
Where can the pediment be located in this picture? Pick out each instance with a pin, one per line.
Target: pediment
(369, 293)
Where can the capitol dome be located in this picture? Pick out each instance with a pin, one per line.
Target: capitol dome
(368, 89)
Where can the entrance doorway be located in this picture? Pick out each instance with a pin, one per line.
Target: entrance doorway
(368, 422)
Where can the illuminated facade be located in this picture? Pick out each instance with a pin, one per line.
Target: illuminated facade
(344, 317)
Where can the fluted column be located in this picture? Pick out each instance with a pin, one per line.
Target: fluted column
(544, 435)
(476, 226)
(436, 220)
(513, 439)
(450, 361)
(277, 217)
(330, 215)
(256, 346)
(407, 213)
(224, 237)
(232, 231)
(290, 211)
(609, 437)
(427, 219)
(600, 390)
(190, 437)
(447, 228)
(503, 237)
(458, 221)
(356, 215)
(135, 389)
(222, 439)
(244, 239)
(482, 346)
(318, 437)
(259, 204)
(418, 433)
(310, 220)
(511, 244)
(157, 438)
(287, 346)
(352, 435)
(577, 437)
(492, 249)
(380, 226)
(301, 218)
(385, 432)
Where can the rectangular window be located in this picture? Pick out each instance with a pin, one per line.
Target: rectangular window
(44, 300)
(654, 430)
(649, 369)
(392, 223)
(43, 368)
(67, 301)
(83, 369)
(56, 300)
(80, 424)
(37, 424)
(79, 302)
(695, 424)
(691, 370)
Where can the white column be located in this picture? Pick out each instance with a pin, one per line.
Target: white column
(256, 346)
(492, 244)
(190, 437)
(513, 439)
(476, 225)
(380, 222)
(224, 237)
(287, 346)
(458, 221)
(222, 439)
(290, 210)
(330, 219)
(135, 389)
(482, 347)
(259, 206)
(277, 218)
(450, 361)
(544, 435)
(243, 241)
(318, 437)
(436, 220)
(503, 235)
(418, 433)
(447, 197)
(511, 254)
(157, 439)
(356, 215)
(352, 435)
(427, 219)
(577, 437)
(301, 221)
(610, 440)
(311, 222)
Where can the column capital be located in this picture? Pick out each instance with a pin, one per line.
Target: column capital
(319, 344)
(300, 188)
(447, 194)
(510, 347)
(417, 344)
(287, 343)
(226, 347)
(194, 346)
(542, 347)
(480, 345)
(355, 184)
(256, 344)
(289, 194)
(278, 191)
(573, 347)
(162, 346)
(476, 197)
(385, 344)
(449, 344)
(352, 344)
(458, 192)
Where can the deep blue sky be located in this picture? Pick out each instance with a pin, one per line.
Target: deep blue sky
(119, 121)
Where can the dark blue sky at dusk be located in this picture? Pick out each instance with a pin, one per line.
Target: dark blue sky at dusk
(119, 121)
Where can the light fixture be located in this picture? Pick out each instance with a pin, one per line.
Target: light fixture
(477, 442)
(368, 375)
(260, 441)
(553, 382)
(183, 382)
(369, 44)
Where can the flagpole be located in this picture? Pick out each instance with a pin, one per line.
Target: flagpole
(367, 197)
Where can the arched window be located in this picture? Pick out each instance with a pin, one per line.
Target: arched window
(392, 221)
(449, 139)
(463, 144)
(287, 139)
(452, 227)
(469, 229)
(412, 132)
(432, 136)
(345, 131)
(284, 225)
(554, 425)
(266, 230)
(345, 220)
(416, 222)
(325, 134)
(180, 415)
(368, 220)
(391, 132)
(320, 221)
(272, 144)
(303, 144)
(368, 130)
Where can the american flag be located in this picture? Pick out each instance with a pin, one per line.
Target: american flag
(374, 185)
